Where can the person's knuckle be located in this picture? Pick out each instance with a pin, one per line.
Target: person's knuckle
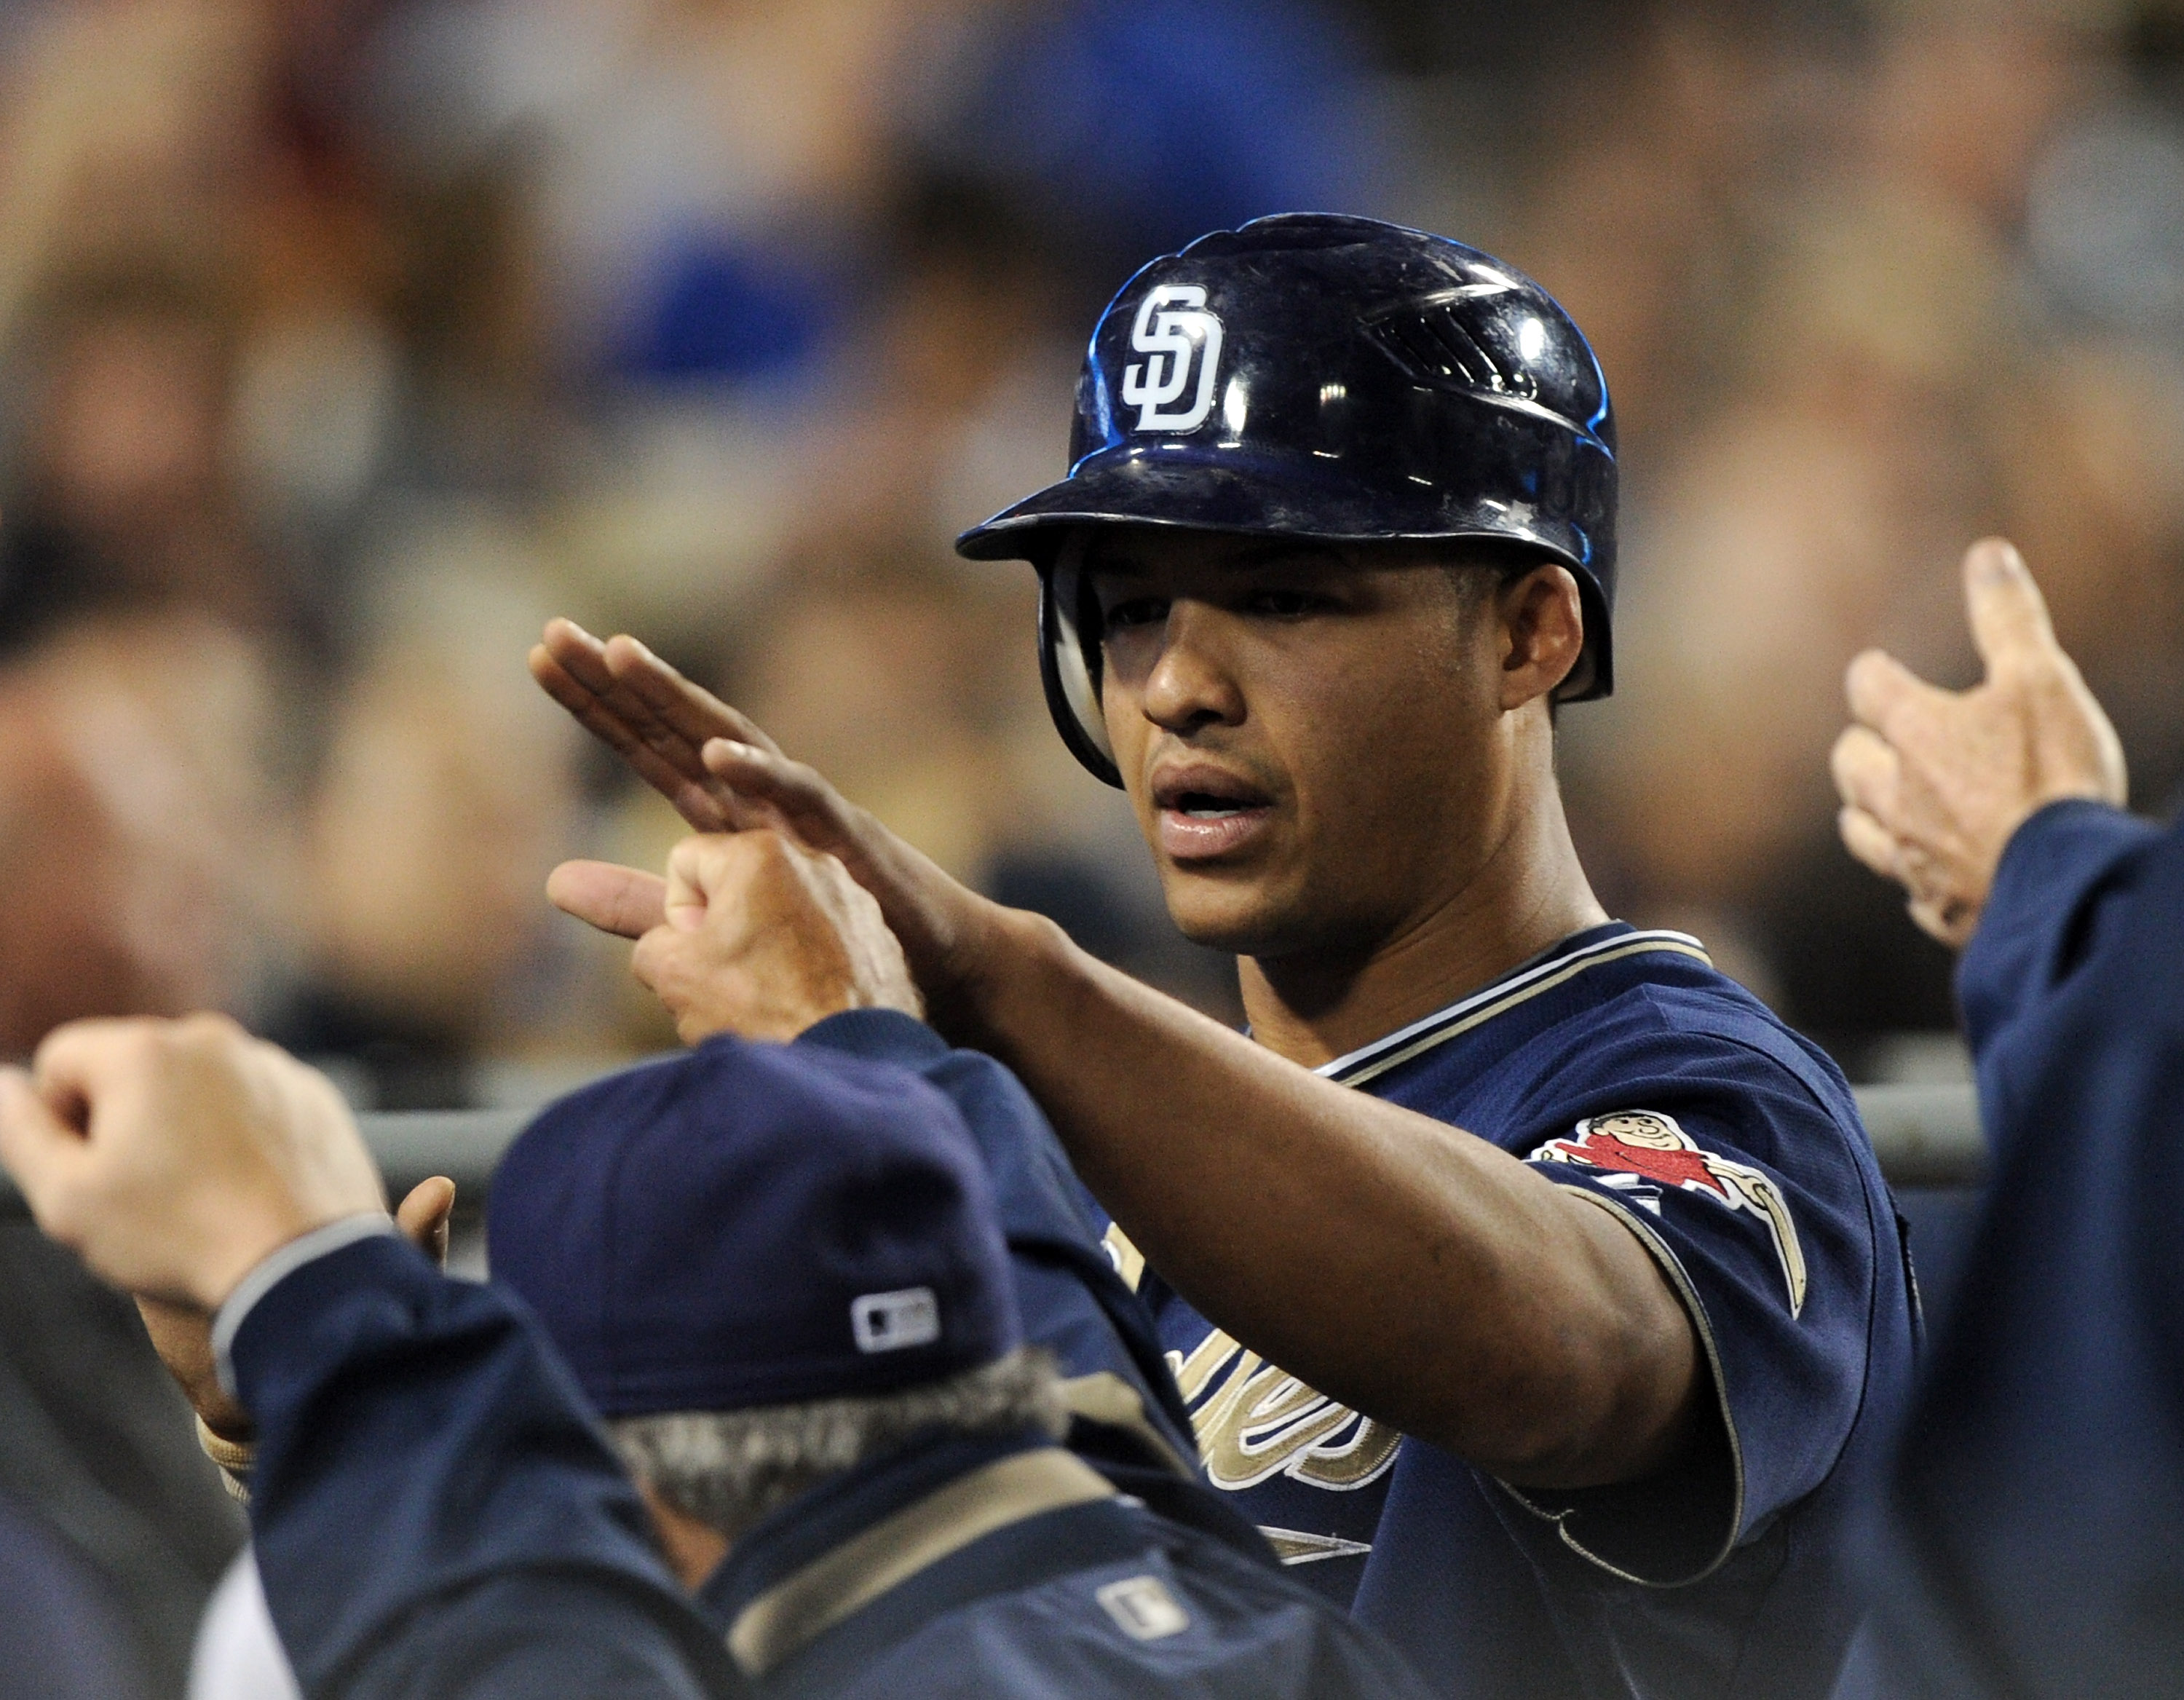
(766, 852)
(154, 1045)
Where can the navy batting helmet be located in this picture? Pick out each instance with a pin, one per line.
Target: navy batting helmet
(1339, 379)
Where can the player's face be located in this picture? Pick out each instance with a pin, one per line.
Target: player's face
(1312, 741)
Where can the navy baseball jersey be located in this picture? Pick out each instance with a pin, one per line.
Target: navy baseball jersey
(1620, 1064)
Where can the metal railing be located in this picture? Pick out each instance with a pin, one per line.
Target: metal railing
(1926, 1136)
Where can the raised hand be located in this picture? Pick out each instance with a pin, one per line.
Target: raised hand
(723, 774)
(763, 938)
(651, 715)
(1935, 782)
(174, 1155)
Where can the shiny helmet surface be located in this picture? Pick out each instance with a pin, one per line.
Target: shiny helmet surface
(1332, 378)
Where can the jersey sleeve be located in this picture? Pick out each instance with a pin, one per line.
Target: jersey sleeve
(1736, 1157)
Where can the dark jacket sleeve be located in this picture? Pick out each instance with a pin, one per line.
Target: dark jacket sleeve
(435, 1512)
(1127, 1419)
(1074, 1303)
(2063, 877)
(2032, 1531)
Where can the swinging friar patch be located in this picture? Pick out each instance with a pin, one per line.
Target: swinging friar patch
(1650, 1147)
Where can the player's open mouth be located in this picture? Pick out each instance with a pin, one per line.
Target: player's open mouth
(1205, 813)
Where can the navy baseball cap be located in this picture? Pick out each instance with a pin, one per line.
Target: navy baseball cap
(754, 1224)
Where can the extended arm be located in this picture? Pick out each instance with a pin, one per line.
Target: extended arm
(434, 1512)
(1397, 1264)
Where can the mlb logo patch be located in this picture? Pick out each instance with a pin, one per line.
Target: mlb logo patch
(893, 1322)
(1143, 1608)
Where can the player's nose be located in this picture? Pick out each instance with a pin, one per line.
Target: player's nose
(1192, 684)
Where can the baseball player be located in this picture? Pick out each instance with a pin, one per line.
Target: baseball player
(1529, 1283)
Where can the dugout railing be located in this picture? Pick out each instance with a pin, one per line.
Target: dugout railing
(1926, 1135)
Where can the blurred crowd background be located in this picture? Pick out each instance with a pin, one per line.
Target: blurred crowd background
(346, 340)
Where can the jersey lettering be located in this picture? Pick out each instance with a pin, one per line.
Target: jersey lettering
(1255, 1421)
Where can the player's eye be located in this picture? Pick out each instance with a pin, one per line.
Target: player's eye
(1285, 605)
(1140, 610)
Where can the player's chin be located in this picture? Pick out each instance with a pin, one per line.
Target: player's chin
(1226, 909)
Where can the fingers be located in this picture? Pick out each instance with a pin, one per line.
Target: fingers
(1950, 920)
(796, 794)
(1868, 774)
(81, 1062)
(424, 1215)
(700, 867)
(1870, 841)
(695, 869)
(668, 770)
(1885, 695)
(620, 900)
(689, 710)
(36, 1147)
(571, 666)
(2008, 615)
(578, 651)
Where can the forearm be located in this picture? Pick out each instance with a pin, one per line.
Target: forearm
(1397, 1264)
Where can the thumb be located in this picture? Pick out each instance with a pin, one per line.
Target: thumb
(35, 1144)
(422, 1217)
(620, 900)
(2008, 615)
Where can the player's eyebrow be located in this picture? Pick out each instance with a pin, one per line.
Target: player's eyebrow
(1282, 551)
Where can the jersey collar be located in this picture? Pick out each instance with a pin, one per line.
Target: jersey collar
(825, 1556)
(1593, 948)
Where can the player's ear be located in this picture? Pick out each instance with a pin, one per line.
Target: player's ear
(1542, 631)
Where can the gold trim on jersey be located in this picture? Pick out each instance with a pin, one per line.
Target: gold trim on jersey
(1253, 1420)
(1370, 1062)
(1256, 1421)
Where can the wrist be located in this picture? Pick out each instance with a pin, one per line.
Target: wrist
(1000, 950)
(276, 1266)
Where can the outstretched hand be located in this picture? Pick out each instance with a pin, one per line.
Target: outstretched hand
(652, 717)
(1935, 782)
(723, 774)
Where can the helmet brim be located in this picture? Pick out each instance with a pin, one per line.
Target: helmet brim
(1196, 489)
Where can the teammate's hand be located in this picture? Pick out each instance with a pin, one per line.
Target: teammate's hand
(762, 937)
(182, 1334)
(722, 774)
(173, 1156)
(1934, 783)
